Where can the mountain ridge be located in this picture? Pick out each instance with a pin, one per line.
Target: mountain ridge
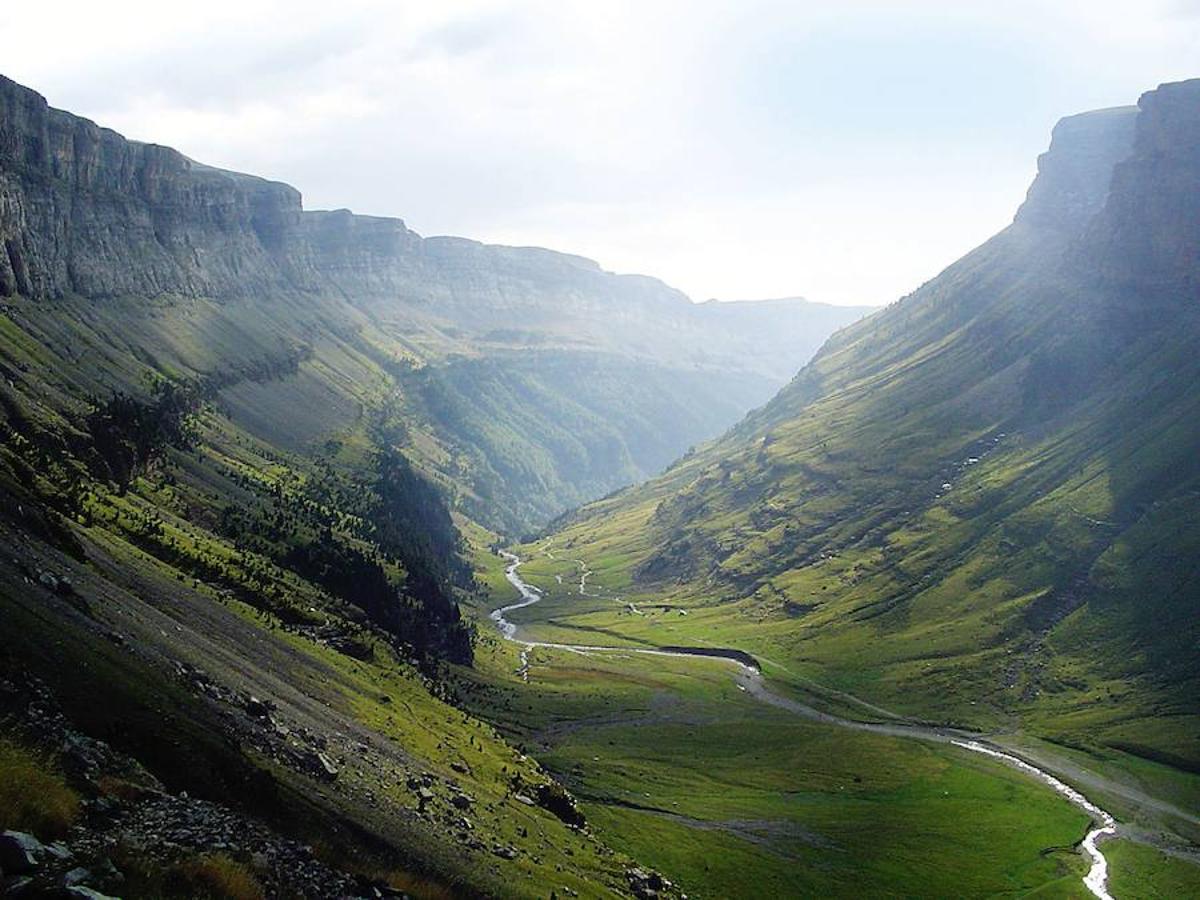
(182, 205)
(936, 505)
(458, 325)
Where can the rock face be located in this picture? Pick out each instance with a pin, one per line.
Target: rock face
(1126, 183)
(79, 202)
(1147, 240)
(85, 211)
(1074, 174)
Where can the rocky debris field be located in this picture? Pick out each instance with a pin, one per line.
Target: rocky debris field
(419, 819)
(128, 819)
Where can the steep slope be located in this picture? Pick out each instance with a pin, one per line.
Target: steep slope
(85, 213)
(980, 502)
(224, 475)
(531, 431)
(158, 306)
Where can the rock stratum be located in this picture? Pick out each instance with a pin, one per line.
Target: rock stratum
(87, 212)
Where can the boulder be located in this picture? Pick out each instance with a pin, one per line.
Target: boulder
(260, 709)
(321, 765)
(553, 798)
(77, 875)
(19, 852)
(80, 890)
(645, 885)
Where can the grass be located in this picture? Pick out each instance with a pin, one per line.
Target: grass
(34, 795)
(854, 814)
(159, 551)
(179, 738)
(1144, 873)
(676, 767)
(215, 876)
(1049, 586)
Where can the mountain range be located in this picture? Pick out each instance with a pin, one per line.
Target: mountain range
(257, 464)
(243, 450)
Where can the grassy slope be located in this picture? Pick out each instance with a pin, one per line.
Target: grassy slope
(531, 434)
(304, 395)
(157, 569)
(1141, 873)
(1049, 584)
(368, 820)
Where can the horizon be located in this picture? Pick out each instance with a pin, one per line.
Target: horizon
(763, 151)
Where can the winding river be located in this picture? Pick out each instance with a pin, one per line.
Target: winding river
(750, 679)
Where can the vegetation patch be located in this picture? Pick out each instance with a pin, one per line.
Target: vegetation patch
(34, 795)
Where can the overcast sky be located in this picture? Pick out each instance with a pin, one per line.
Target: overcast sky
(841, 151)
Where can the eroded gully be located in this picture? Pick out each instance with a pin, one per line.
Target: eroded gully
(749, 678)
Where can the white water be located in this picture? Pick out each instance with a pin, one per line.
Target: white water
(1096, 879)
(751, 681)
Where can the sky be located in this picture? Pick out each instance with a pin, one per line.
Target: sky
(845, 152)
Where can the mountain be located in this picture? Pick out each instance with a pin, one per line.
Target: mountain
(157, 305)
(533, 380)
(979, 504)
(240, 444)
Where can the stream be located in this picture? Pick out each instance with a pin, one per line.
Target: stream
(749, 679)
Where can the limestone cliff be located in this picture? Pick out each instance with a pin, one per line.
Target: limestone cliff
(530, 380)
(1074, 174)
(83, 211)
(1148, 237)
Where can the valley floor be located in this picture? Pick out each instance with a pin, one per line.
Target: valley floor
(682, 766)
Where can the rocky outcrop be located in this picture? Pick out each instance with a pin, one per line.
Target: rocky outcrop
(1146, 242)
(1074, 174)
(83, 211)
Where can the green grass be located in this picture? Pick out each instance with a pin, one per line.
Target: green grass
(836, 812)
(684, 772)
(818, 534)
(1138, 872)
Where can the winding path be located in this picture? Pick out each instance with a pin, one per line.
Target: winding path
(750, 679)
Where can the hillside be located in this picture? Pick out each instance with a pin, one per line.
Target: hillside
(241, 276)
(979, 504)
(239, 445)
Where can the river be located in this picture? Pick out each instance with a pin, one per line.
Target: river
(749, 678)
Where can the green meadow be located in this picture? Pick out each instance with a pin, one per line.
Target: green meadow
(675, 765)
